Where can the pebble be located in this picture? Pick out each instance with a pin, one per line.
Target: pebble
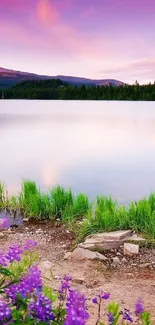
(78, 280)
(116, 261)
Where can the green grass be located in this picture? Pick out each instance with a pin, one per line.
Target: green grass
(85, 217)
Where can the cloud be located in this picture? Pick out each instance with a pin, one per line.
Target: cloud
(47, 12)
(143, 70)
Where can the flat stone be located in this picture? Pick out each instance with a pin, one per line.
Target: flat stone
(106, 240)
(145, 265)
(80, 254)
(136, 238)
(131, 249)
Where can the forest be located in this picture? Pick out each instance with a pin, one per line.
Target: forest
(56, 89)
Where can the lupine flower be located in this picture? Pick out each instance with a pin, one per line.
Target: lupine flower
(127, 315)
(110, 318)
(5, 312)
(95, 300)
(65, 285)
(76, 309)
(139, 308)
(41, 308)
(106, 296)
(14, 253)
(101, 295)
(4, 223)
(29, 283)
(30, 244)
(3, 260)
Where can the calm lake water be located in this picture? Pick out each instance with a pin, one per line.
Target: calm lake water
(99, 148)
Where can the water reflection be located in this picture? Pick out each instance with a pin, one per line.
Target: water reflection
(94, 147)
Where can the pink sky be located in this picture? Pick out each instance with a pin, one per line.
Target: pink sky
(89, 38)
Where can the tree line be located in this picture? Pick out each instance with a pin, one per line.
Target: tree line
(57, 89)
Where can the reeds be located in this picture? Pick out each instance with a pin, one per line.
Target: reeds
(104, 214)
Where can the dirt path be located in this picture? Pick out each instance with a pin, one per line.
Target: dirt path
(126, 284)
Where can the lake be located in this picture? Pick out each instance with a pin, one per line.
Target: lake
(97, 147)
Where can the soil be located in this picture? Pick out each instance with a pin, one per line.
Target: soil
(126, 282)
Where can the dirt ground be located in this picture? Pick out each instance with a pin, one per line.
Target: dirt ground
(125, 283)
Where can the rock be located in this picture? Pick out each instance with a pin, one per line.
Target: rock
(145, 265)
(26, 220)
(106, 240)
(78, 280)
(39, 231)
(118, 254)
(57, 277)
(136, 238)
(80, 254)
(46, 269)
(67, 255)
(131, 249)
(2, 235)
(124, 260)
(116, 261)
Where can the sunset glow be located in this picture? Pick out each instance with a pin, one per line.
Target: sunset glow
(87, 38)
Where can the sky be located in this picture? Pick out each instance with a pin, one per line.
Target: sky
(87, 38)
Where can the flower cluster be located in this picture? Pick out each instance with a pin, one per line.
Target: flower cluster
(41, 308)
(5, 312)
(65, 286)
(76, 309)
(14, 253)
(23, 298)
(139, 308)
(28, 284)
(127, 315)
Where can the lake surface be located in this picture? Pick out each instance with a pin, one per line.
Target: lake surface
(99, 148)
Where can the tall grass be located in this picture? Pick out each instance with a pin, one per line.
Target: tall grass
(2, 195)
(108, 216)
(104, 214)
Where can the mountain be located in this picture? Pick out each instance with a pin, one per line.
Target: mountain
(9, 78)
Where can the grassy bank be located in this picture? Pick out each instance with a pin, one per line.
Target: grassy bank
(104, 214)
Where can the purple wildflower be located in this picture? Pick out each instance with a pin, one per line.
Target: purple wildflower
(104, 295)
(110, 318)
(30, 244)
(4, 223)
(14, 253)
(139, 308)
(29, 283)
(5, 312)
(65, 285)
(95, 300)
(3, 261)
(127, 315)
(41, 309)
(76, 309)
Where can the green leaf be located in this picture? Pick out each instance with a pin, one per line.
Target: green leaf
(6, 271)
(145, 317)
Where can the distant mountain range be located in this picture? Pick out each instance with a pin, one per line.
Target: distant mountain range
(9, 78)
